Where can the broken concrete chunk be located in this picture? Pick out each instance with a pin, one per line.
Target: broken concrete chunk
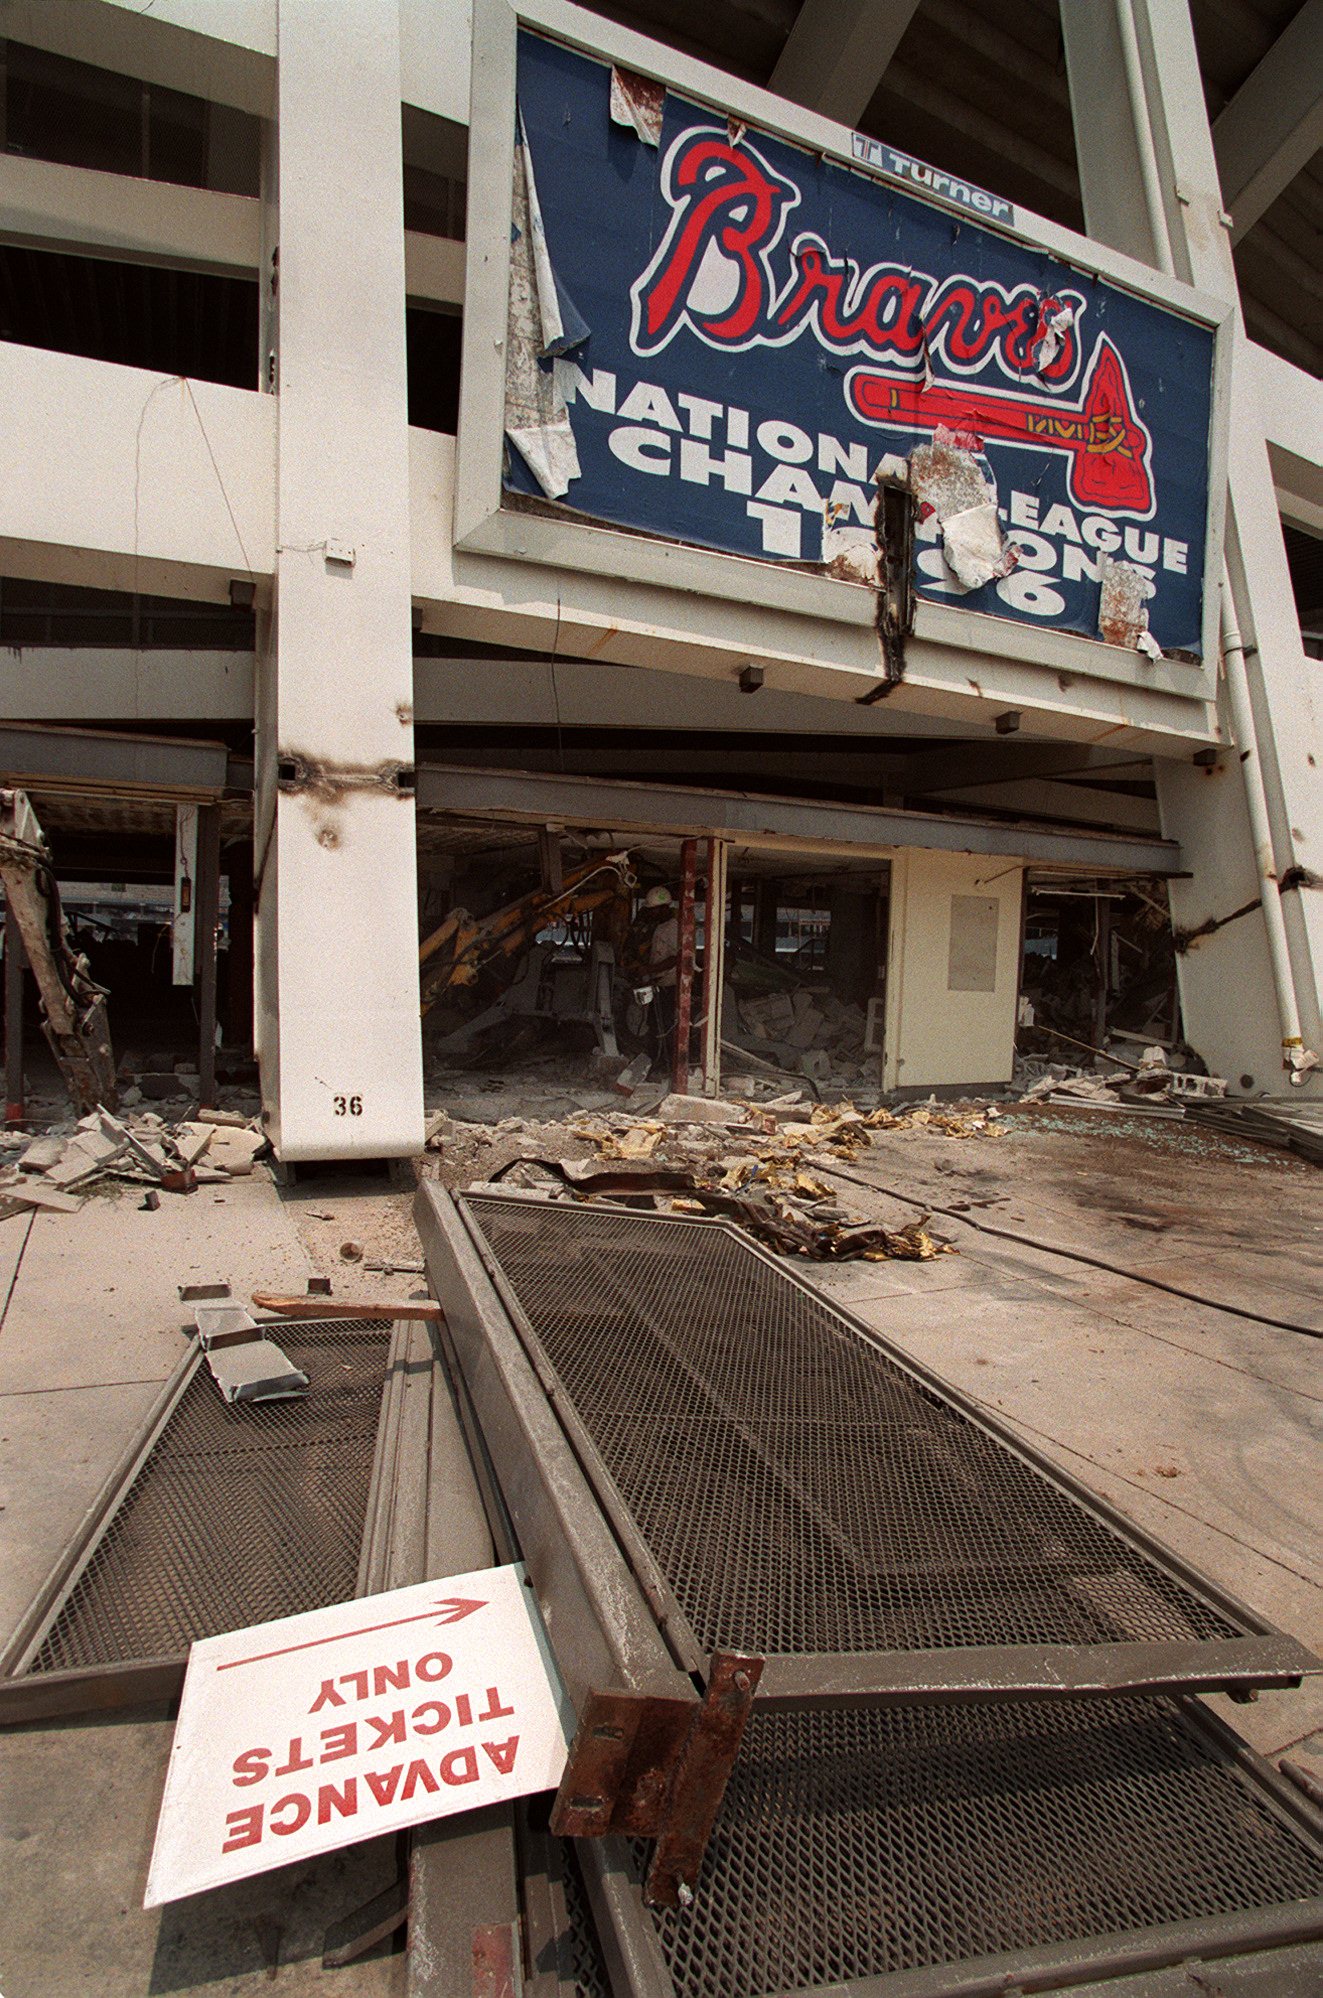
(32, 1193)
(42, 1154)
(699, 1110)
(192, 1140)
(233, 1151)
(230, 1119)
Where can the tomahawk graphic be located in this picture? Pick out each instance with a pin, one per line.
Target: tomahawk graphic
(1108, 447)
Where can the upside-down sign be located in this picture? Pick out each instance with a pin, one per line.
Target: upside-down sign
(313, 1732)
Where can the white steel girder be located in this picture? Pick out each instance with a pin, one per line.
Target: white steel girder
(836, 53)
(1273, 125)
(1150, 185)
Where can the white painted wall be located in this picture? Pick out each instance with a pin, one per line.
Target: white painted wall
(1291, 410)
(934, 1034)
(435, 40)
(125, 480)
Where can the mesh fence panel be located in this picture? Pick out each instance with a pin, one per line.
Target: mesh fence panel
(241, 1513)
(863, 1843)
(799, 1490)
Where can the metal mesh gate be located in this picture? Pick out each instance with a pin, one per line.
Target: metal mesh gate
(241, 1513)
(863, 1843)
(801, 1491)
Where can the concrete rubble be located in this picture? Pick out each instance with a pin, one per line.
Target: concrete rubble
(762, 1161)
(1153, 1083)
(57, 1169)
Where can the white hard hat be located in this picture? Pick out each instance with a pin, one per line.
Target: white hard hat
(658, 898)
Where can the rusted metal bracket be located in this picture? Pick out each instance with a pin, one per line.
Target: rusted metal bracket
(657, 1768)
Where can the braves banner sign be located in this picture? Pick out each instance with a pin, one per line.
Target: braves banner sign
(723, 337)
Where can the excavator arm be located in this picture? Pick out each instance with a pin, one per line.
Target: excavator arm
(464, 946)
(73, 1004)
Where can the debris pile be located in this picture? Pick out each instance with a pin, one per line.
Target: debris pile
(1152, 1083)
(766, 1165)
(55, 1170)
(809, 1030)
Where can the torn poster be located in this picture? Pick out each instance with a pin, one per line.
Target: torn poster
(947, 480)
(536, 420)
(1055, 327)
(1122, 618)
(638, 102)
(768, 326)
(850, 553)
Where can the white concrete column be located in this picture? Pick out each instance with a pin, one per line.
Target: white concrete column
(1149, 181)
(340, 1039)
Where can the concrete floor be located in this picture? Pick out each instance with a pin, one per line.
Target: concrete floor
(1202, 1427)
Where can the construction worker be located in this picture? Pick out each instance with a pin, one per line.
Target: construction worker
(661, 954)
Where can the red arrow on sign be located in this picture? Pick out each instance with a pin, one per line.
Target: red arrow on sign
(1101, 434)
(455, 1608)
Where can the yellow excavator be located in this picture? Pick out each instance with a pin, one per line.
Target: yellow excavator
(503, 949)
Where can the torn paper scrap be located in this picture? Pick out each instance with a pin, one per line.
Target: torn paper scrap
(947, 480)
(975, 549)
(536, 419)
(945, 475)
(849, 554)
(1121, 613)
(638, 102)
(1054, 329)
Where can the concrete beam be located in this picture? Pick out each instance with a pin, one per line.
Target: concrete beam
(837, 52)
(1066, 803)
(1291, 405)
(1273, 125)
(223, 50)
(46, 206)
(1004, 763)
(116, 683)
(120, 479)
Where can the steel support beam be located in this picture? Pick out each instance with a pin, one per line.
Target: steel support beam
(714, 966)
(837, 53)
(633, 810)
(208, 922)
(1273, 125)
(94, 764)
(684, 970)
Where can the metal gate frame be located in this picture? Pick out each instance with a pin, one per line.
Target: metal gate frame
(1257, 1938)
(654, 1745)
(26, 1697)
(649, 1758)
